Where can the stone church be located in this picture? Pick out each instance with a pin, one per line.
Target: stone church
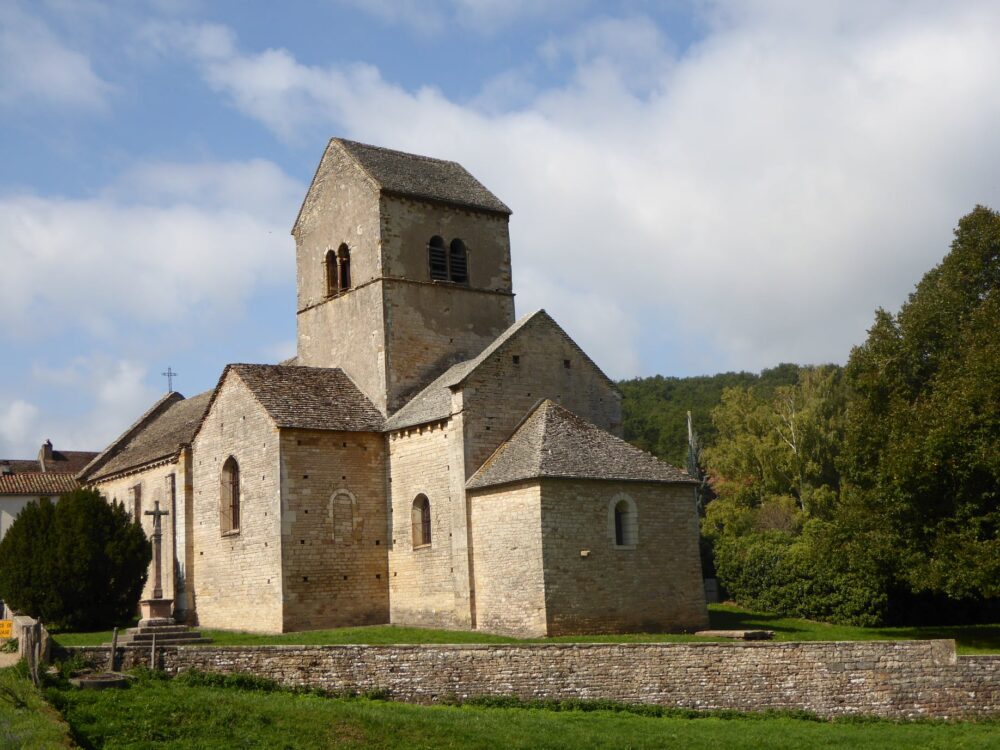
(425, 459)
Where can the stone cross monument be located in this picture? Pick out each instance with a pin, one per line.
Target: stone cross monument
(156, 611)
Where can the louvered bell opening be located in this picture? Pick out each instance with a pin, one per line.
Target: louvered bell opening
(459, 263)
(437, 256)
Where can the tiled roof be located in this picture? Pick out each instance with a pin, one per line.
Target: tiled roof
(37, 483)
(434, 402)
(310, 398)
(160, 437)
(554, 442)
(62, 462)
(422, 177)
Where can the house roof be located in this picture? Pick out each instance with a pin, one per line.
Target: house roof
(159, 434)
(434, 401)
(62, 462)
(38, 483)
(554, 442)
(310, 398)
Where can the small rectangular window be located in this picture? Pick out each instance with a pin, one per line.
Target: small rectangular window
(517, 359)
(566, 363)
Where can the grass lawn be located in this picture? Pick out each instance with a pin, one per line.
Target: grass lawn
(173, 714)
(971, 639)
(26, 720)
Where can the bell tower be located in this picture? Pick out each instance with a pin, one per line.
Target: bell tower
(403, 269)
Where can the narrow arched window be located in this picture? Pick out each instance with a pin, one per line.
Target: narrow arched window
(229, 497)
(343, 268)
(458, 262)
(437, 259)
(331, 273)
(624, 522)
(421, 520)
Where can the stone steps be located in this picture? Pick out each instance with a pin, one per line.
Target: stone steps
(165, 635)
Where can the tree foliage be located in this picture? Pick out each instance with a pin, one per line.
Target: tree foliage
(78, 563)
(923, 434)
(873, 495)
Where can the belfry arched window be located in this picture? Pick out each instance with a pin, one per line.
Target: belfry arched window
(448, 262)
(338, 270)
(344, 268)
(458, 262)
(229, 497)
(437, 259)
(421, 521)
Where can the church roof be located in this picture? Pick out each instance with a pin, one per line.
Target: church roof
(414, 176)
(159, 434)
(433, 403)
(310, 398)
(554, 442)
(411, 175)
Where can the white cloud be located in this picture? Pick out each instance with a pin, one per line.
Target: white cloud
(37, 68)
(760, 193)
(179, 242)
(17, 418)
(100, 396)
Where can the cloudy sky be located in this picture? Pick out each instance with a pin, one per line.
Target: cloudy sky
(697, 186)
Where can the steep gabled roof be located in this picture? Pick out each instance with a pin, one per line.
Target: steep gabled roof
(414, 176)
(161, 405)
(554, 442)
(309, 398)
(158, 437)
(434, 402)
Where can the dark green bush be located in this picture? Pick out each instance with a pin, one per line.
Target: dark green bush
(79, 563)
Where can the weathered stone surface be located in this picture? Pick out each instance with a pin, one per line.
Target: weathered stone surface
(892, 679)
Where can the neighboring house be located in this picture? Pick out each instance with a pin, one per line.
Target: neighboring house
(425, 459)
(49, 475)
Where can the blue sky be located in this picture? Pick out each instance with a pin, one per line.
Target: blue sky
(697, 186)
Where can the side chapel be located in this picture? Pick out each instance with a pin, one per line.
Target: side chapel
(425, 459)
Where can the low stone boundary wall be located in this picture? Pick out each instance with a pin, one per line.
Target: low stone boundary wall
(893, 679)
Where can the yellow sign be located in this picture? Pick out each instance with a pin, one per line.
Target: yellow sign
(6, 628)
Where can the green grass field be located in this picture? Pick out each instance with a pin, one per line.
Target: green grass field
(971, 639)
(176, 714)
(26, 720)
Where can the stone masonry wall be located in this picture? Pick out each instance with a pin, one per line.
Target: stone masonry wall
(892, 679)
(333, 530)
(237, 576)
(507, 554)
(433, 324)
(593, 585)
(154, 486)
(499, 394)
(422, 580)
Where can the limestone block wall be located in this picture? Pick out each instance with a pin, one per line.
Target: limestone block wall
(593, 585)
(238, 576)
(334, 529)
(891, 679)
(507, 546)
(163, 483)
(342, 206)
(407, 226)
(499, 394)
(347, 332)
(430, 326)
(423, 581)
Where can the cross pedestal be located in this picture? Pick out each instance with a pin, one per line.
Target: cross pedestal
(156, 611)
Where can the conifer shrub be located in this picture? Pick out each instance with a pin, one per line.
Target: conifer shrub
(79, 563)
